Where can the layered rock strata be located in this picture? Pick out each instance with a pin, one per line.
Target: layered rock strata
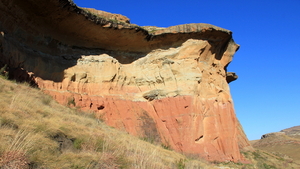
(169, 85)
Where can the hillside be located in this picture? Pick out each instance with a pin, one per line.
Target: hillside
(285, 143)
(292, 131)
(37, 132)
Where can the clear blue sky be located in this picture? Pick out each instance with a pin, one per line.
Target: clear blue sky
(267, 93)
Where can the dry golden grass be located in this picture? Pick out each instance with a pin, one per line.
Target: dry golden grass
(284, 146)
(37, 132)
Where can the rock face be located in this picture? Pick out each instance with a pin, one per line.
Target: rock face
(276, 134)
(108, 16)
(166, 84)
(291, 132)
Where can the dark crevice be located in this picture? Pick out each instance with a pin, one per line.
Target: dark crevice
(197, 139)
(100, 107)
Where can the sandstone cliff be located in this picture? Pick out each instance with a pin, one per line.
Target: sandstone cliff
(166, 84)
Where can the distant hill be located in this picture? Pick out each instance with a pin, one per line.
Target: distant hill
(285, 143)
(292, 132)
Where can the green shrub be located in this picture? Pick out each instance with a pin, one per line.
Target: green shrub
(71, 101)
(166, 146)
(8, 122)
(266, 166)
(3, 73)
(41, 127)
(46, 100)
(78, 143)
(122, 161)
(180, 164)
(147, 139)
(100, 145)
(256, 155)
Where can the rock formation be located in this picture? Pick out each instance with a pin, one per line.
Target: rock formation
(165, 84)
(291, 132)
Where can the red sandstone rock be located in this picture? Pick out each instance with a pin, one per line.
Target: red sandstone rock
(169, 85)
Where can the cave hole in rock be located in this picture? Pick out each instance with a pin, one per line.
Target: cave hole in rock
(100, 107)
(91, 105)
(197, 139)
(73, 78)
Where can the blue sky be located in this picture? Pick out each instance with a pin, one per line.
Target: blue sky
(267, 93)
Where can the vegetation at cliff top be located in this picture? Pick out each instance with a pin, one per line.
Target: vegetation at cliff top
(37, 132)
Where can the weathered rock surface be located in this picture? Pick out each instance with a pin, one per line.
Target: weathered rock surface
(167, 84)
(292, 132)
(108, 16)
(275, 134)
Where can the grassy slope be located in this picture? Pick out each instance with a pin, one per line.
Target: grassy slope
(283, 145)
(37, 132)
(35, 129)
